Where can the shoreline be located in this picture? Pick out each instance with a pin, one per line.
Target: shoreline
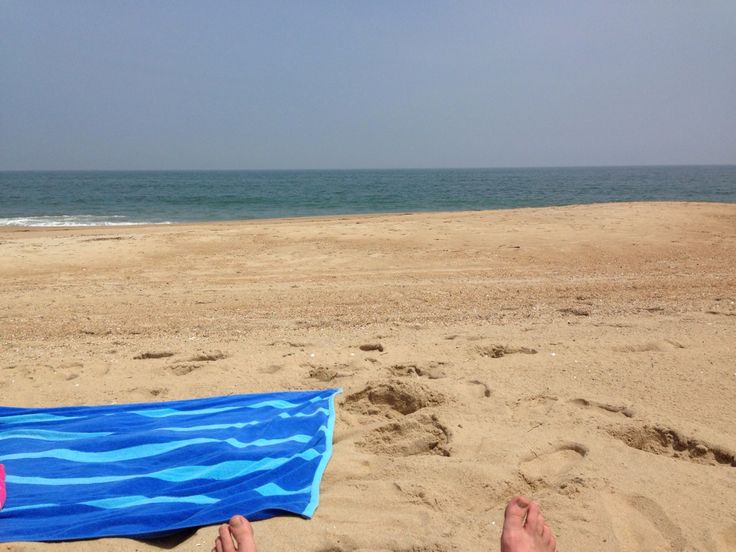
(344, 216)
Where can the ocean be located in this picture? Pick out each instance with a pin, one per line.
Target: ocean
(88, 198)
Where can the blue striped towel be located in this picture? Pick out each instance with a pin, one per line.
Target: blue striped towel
(150, 469)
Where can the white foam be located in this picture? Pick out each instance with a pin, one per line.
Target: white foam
(73, 220)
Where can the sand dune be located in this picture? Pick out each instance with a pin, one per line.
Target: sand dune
(581, 355)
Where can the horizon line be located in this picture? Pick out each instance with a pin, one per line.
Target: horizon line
(498, 167)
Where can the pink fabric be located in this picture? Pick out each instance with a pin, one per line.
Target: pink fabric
(2, 486)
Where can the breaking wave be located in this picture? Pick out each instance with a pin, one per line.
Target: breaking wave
(74, 220)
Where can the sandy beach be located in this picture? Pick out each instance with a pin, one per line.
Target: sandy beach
(580, 355)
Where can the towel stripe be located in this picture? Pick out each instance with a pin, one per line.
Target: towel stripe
(221, 471)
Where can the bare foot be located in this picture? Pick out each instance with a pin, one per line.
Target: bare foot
(237, 534)
(524, 529)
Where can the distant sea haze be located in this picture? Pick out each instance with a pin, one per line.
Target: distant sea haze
(90, 198)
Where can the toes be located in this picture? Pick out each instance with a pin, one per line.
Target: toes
(541, 524)
(552, 544)
(534, 519)
(516, 511)
(242, 532)
(546, 534)
(225, 540)
(218, 545)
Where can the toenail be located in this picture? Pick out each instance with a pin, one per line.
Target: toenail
(237, 520)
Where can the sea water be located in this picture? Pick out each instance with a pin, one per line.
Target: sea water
(69, 198)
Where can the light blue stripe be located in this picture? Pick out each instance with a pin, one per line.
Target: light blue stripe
(130, 453)
(49, 435)
(140, 500)
(144, 451)
(330, 430)
(219, 472)
(206, 427)
(299, 438)
(34, 418)
(286, 415)
(166, 412)
(29, 507)
(275, 403)
(272, 489)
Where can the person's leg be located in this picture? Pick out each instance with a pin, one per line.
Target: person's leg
(524, 529)
(237, 534)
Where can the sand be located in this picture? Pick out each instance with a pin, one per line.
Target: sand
(581, 355)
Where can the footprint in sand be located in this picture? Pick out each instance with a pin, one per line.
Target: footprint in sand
(534, 410)
(482, 387)
(419, 434)
(371, 347)
(639, 523)
(609, 408)
(184, 368)
(153, 354)
(498, 351)
(208, 357)
(648, 346)
(393, 398)
(670, 442)
(575, 311)
(328, 373)
(550, 466)
(270, 369)
(294, 344)
(431, 370)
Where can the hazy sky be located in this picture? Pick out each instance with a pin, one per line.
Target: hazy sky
(365, 84)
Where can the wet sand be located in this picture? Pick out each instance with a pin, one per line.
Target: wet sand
(581, 355)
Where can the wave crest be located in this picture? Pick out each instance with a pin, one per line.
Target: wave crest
(75, 220)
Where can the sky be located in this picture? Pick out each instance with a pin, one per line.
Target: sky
(365, 84)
